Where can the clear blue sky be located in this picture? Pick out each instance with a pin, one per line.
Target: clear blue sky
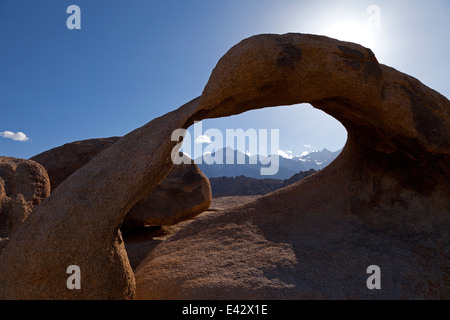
(134, 60)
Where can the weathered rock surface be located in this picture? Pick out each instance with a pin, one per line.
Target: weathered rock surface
(23, 185)
(184, 193)
(61, 162)
(383, 201)
(139, 242)
(78, 224)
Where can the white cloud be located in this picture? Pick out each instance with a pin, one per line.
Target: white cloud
(18, 136)
(285, 154)
(307, 145)
(203, 138)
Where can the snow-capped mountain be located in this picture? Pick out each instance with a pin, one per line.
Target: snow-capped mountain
(318, 159)
(252, 164)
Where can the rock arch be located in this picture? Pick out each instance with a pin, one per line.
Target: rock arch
(392, 177)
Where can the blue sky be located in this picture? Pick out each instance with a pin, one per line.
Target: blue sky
(135, 60)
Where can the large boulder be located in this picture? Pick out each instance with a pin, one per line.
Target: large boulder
(62, 161)
(383, 201)
(183, 194)
(23, 185)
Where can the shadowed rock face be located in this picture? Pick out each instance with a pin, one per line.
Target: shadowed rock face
(383, 201)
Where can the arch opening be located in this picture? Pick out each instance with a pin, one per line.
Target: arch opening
(232, 150)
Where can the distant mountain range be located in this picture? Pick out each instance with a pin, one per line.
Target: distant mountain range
(287, 166)
(245, 186)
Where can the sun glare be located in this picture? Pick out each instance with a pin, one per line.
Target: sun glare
(352, 32)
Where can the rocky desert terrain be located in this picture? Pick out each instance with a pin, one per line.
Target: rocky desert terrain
(140, 242)
(384, 201)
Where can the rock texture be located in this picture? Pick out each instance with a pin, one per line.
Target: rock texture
(184, 193)
(23, 185)
(383, 201)
(61, 162)
(139, 242)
